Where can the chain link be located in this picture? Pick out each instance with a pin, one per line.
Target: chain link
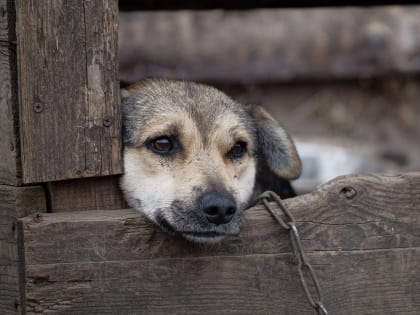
(304, 267)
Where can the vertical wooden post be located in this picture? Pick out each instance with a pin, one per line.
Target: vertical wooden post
(69, 94)
(9, 123)
(15, 203)
(10, 297)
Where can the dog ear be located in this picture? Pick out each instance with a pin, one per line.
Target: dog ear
(275, 147)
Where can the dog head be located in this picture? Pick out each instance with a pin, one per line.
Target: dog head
(191, 156)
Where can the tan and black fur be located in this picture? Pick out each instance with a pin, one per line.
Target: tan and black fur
(218, 148)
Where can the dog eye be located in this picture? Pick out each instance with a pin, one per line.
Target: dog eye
(162, 145)
(237, 151)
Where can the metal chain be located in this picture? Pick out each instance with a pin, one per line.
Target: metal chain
(304, 267)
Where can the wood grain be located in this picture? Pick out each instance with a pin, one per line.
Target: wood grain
(270, 45)
(378, 282)
(10, 172)
(96, 193)
(15, 202)
(70, 118)
(245, 4)
(362, 234)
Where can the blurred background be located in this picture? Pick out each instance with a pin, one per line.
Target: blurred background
(343, 81)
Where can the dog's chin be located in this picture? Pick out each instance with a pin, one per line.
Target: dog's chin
(210, 236)
(203, 238)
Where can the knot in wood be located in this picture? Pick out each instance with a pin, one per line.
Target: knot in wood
(348, 192)
(107, 121)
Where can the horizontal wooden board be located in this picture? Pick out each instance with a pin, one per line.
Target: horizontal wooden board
(362, 234)
(365, 282)
(15, 202)
(69, 95)
(86, 194)
(270, 45)
(245, 4)
(10, 172)
(385, 213)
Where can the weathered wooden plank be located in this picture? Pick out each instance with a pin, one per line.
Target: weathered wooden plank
(70, 118)
(362, 234)
(270, 45)
(384, 213)
(15, 202)
(10, 172)
(97, 193)
(357, 282)
(246, 4)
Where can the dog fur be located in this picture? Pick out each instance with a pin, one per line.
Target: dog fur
(222, 154)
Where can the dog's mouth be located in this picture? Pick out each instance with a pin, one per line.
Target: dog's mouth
(204, 236)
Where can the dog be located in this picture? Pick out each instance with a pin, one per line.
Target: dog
(194, 158)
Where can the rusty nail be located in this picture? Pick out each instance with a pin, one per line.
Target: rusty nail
(107, 121)
(38, 107)
(349, 192)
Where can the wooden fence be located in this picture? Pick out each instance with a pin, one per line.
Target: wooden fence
(365, 248)
(68, 245)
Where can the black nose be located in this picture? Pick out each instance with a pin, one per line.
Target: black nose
(219, 208)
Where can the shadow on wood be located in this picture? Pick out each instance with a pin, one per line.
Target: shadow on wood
(361, 234)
